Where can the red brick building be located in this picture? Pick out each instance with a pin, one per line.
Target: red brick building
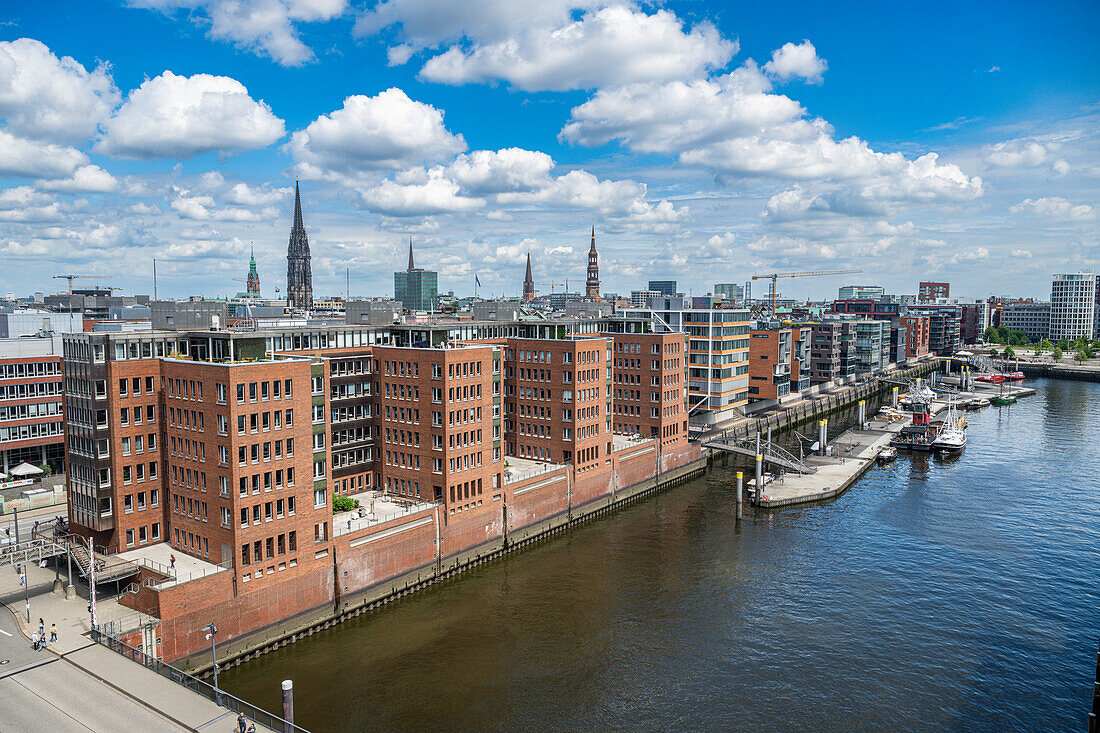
(916, 335)
(649, 386)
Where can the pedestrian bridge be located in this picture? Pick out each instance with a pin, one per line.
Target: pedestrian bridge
(42, 547)
(771, 453)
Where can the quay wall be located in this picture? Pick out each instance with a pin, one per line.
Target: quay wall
(381, 563)
(384, 562)
(1060, 371)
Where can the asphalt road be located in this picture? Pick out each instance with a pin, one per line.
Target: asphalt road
(41, 691)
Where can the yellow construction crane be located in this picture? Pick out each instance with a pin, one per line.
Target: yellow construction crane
(550, 285)
(813, 273)
(70, 278)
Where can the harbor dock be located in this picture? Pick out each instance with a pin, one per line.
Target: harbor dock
(854, 452)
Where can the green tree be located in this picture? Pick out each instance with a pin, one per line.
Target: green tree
(993, 352)
(1081, 355)
(1056, 353)
(990, 336)
(1009, 353)
(343, 504)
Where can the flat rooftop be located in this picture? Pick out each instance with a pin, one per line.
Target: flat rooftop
(520, 469)
(621, 442)
(158, 557)
(375, 507)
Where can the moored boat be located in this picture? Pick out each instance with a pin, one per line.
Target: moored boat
(1003, 399)
(888, 454)
(950, 440)
(977, 403)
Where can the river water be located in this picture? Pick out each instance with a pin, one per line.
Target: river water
(955, 594)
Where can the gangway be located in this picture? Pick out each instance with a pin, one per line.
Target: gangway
(770, 452)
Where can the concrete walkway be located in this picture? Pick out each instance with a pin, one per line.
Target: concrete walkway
(76, 684)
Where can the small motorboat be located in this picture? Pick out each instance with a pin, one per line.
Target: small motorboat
(1014, 376)
(994, 378)
(888, 454)
(977, 404)
(951, 440)
(1003, 399)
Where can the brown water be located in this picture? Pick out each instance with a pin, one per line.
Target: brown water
(957, 594)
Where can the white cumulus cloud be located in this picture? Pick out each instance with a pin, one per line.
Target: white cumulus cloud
(49, 98)
(800, 61)
(612, 45)
(1055, 207)
(386, 131)
(33, 159)
(173, 116)
(266, 27)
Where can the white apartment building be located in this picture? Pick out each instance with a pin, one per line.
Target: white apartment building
(1073, 312)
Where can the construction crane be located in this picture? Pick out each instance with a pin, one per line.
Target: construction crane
(70, 278)
(813, 273)
(549, 285)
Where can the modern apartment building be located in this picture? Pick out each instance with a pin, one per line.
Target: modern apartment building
(860, 292)
(31, 417)
(930, 292)
(641, 298)
(664, 287)
(1032, 318)
(944, 326)
(831, 350)
(871, 346)
(1073, 306)
(917, 333)
(717, 353)
(730, 292)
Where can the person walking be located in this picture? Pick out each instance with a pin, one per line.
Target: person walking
(242, 723)
(34, 641)
(53, 633)
(172, 560)
(41, 627)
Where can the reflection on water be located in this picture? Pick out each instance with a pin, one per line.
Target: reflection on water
(954, 593)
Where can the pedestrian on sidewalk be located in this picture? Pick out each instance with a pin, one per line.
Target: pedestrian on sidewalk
(42, 628)
(242, 723)
(34, 641)
(172, 560)
(53, 633)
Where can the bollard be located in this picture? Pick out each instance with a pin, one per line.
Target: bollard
(862, 414)
(288, 704)
(759, 476)
(894, 398)
(822, 435)
(740, 496)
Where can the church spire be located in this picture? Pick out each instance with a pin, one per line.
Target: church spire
(299, 274)
(298, 225)
(528, 282)
(411, 265)
(592, 283)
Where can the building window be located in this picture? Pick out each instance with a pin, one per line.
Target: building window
(319, 498)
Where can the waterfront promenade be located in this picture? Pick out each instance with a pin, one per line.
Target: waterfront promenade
(854, 452)
(77, 684)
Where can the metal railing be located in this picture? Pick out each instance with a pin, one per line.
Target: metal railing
(219, 697)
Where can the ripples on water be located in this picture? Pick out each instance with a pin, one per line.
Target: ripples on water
(956, 594)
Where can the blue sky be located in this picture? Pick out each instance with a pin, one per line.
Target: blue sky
(708, 141)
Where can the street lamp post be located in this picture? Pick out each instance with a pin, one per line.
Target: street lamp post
(211, 630)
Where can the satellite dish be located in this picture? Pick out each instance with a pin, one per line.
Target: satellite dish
(816, 445)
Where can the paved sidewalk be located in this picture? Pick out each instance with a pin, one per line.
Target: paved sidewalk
(76, 684)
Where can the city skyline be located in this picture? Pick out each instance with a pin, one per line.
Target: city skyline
(768, 144)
